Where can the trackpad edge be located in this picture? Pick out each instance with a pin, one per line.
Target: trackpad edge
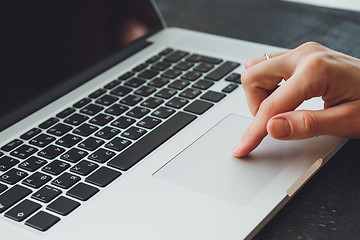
(208, 166)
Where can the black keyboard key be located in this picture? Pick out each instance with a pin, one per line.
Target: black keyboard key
(66, 180)
(198, 107)
(184, 65)
(145, 91)
(152, 102)
(161, 66)
(84, 167)
(107, 100)
(163, 112)
(75, 119)
(32, 164)
(151, 141)
(42, 221)
(103, 176)
(118, 144)
(179, 84)
(69, 140)
(204, 67)
(82, 191)
(123, 122)
(42, 140)
(7, 162)
(138, 112)
(135, 82)
(74, 155)
(13, 176)
(11, 145)
(148, 74)
(63, 206)
(82, 103)
(213, 96)
(203, 84)
(46, 194)
(60, 129)
(24, 151)
(22, 210)
(153, 59)
(85, 130)
(229, 88)
(112, 84)
(48, 123)
(101, 155)
(121, 91)
(97, 93)
(126, 76)
(2, 187)
(166, 51)
(177, 102)
(91, 109)
(149, 122)
(30, 134)
(36, 180)
(134, 133)
(221, 71)
(107, 133)
(176, 56)
(200, 58)
(166, 93)
(190, 93)
(234, 77)
(159, 82)
(51, 152)
(91, 143)
(140, 67)
(116, 109)
(172, 73)
(101, 119)
(65, 113)
(131, 100)
(12, 196)
(191, 76)
(56, 167)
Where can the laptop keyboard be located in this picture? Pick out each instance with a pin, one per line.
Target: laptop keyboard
(48, 171)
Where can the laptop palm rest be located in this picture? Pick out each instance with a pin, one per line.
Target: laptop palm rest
(208, 166)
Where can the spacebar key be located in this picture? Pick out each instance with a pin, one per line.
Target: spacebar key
(151, 141)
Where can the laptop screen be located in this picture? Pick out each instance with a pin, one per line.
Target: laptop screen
(44, 42)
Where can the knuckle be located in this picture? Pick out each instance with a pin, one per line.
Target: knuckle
(246, 78)
(266, 107)
(311, 124)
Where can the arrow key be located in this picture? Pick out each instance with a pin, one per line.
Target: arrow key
(22, 210)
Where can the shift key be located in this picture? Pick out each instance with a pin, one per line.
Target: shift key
(12, 196)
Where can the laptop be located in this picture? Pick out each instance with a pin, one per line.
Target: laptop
(115, 126)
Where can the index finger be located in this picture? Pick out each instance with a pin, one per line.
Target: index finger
(285, 98)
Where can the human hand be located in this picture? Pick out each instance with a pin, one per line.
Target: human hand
(311, 70)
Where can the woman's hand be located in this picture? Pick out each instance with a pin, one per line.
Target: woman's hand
(311, 70)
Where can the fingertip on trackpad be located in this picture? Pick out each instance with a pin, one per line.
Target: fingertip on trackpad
(208, 165)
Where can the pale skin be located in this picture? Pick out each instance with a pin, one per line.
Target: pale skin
(310, 70)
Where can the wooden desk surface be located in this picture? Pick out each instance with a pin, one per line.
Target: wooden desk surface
(328, 207)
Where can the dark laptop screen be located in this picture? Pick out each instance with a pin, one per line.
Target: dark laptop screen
(44, 42)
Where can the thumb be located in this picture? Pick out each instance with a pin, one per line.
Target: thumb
(341, 120)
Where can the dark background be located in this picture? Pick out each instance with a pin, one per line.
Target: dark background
(328, 206)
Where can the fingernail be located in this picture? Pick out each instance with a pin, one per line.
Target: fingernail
(280, 128)
(236, 149)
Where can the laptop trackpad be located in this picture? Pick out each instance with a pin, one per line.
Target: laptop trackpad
(208, 166)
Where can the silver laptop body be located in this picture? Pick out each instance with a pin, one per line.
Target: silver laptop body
(189, 186)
